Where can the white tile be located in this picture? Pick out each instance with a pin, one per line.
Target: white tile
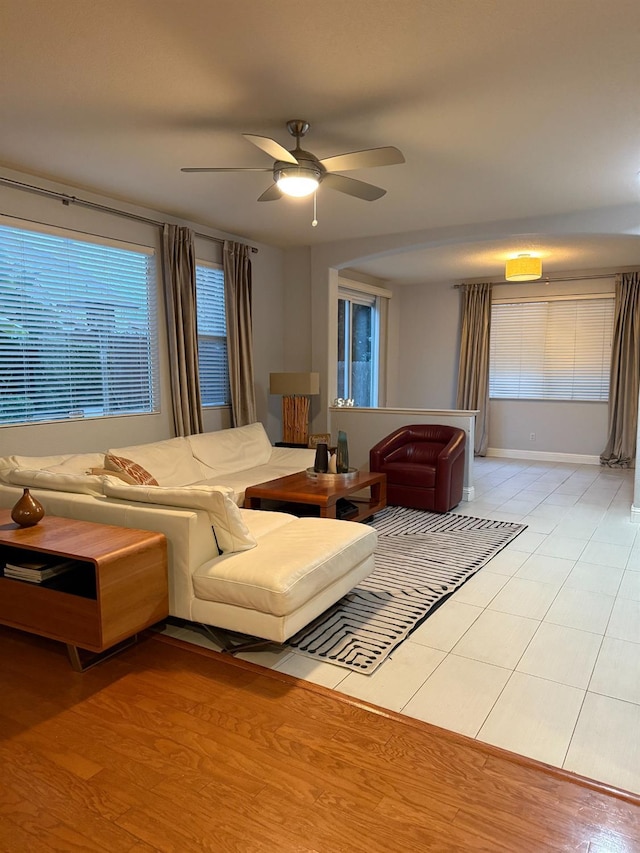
(497, 638)
(630, 586)
(527, 541)
(522, 597)
(271, 658)
(317, 672)
(534, 717)
(605, 745)
(519, 507)
(443, 629)
(577, 608)
(615, 531)
(606, 554)
(558, 498)
(578, 528)
(592, 578)
(397, 679)
(539, 525)
(625, 620)
(617, 671)
(545, 510)
(558, 545)
(507, 562)
(546, 569)
(458, 695)
(480, 589)
(561, 654)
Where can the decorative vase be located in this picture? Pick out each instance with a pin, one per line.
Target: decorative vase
(342, 454)
(321, 464)
(28, 511)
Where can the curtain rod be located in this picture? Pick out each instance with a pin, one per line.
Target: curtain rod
(547, 280)
(71, 199)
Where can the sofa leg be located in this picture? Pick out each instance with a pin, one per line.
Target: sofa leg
(231, 643)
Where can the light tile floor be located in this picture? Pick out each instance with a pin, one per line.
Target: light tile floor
(539, 653)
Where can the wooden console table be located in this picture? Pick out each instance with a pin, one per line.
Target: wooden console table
(116, 587)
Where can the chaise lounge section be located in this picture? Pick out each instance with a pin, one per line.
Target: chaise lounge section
(265, 574)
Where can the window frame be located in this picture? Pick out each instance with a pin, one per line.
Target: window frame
(202, 264)
(377, 298)
(546, 382)
(72, 283)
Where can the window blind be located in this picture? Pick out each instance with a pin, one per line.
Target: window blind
(78, 327)
(212, 335)
(551, 350)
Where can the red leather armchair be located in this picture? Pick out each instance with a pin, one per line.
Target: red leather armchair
(424, 464)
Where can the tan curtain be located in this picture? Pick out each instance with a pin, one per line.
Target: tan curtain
(237, 296)
(620, 450)
(473, 369)
(179, 274)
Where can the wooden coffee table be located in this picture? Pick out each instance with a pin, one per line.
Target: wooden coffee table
(324, 493)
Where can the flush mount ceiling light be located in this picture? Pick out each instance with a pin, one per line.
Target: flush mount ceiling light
(523, 268)
(297, 181)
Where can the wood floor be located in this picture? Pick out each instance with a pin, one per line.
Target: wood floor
(167, 747)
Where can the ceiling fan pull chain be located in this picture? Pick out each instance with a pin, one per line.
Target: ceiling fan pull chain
(314, 221)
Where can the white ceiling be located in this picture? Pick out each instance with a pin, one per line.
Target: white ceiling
(503, 109)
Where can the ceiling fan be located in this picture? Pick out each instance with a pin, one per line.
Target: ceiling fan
(298, 173)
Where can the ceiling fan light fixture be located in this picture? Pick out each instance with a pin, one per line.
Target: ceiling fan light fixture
(297, 182)
(523, 268)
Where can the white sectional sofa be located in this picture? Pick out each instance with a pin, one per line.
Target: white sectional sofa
(265, 574)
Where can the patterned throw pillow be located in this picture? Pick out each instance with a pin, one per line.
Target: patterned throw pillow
(138, 474)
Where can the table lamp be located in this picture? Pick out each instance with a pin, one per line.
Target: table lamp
(296, 389)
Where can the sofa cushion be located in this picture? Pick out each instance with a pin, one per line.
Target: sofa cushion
(83, 484)
(67, 463)
(229, 528)
(120, 475)
(133, 471)
(229, 450)
(290, 566)
(169, 462)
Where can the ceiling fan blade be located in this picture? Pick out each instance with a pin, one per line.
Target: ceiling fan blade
(359, 189)
(388, 156)
(222, 169)
(271, 147)
(272, 194)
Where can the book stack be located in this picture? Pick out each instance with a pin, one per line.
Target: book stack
(37, 571)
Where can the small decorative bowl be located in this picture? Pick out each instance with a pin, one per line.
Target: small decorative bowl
(335, 478)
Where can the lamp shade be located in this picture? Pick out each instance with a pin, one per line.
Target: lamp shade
(523, 268)
(291, 384)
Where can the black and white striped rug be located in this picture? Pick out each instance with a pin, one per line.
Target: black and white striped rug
(421, 559)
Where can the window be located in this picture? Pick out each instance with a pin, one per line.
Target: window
(77, 327)
(358, 346)
(558, 349)
(212, 335)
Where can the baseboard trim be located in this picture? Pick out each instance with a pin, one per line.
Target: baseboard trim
(544, 456)
(468, 493)
(635, 514)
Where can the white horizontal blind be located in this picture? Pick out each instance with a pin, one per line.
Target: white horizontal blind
(78, 329)
(212, 335)
(551, 350)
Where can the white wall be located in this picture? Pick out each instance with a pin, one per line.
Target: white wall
(426, 359)
(98, 434)
(428, 362)
(424, 330)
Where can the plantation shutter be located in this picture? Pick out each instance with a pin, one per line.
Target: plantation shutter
(212, 335)
(557, 349)
(78, 329)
